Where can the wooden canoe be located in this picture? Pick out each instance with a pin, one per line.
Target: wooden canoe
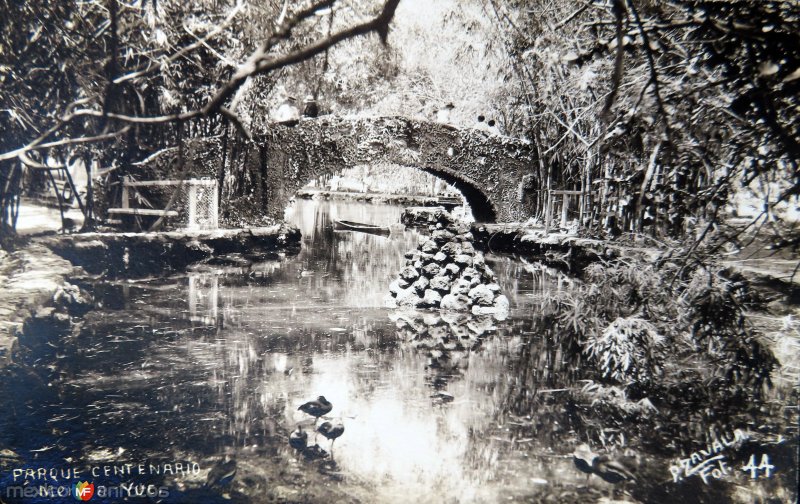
(449, 203)
(345, 225)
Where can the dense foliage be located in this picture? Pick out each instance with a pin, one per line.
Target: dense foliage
(664, 111)
(108, 83)
(660, 361)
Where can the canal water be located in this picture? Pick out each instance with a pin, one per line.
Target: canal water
(172, 377)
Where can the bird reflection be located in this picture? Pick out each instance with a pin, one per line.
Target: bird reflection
(612, 471)
(314, 452)
(298, 439)
(303, 273)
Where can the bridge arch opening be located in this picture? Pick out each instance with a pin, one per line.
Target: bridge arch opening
(407, 184)
(482, 208)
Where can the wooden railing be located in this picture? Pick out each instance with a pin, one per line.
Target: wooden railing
(566, 196)
(191, 201)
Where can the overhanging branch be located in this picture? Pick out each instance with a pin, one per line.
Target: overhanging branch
(259, 62)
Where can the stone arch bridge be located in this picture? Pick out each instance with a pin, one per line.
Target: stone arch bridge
(494, 173)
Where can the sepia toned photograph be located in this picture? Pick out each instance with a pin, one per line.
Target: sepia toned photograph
(400, 251)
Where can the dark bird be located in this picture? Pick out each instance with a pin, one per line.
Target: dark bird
(583, 456)
(331, 431)
(314, 452)
(317, 408)
(298, 439)
(610, 470)
(221, 475)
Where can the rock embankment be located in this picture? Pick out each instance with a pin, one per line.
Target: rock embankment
(446, 272)
(33, 286)
(144, 254)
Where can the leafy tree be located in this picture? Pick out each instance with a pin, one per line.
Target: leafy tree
(140, 76)
(663, 109)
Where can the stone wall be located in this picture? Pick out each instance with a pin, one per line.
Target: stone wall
(33, 281)
(146, 254)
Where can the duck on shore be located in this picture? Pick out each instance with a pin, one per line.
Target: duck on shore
(316, 408)
(222, 474)
(608, 469)
(331, 430)
(583, 456)
(298, 439)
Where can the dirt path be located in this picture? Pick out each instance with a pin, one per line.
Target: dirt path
(38, 218)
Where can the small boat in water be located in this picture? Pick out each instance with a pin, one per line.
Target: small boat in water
(345, 225)
(449, 202)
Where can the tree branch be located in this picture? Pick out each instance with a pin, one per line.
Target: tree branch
(258, 63)
(236, 122)
(573, 16)
(650, 62)
(616, 79)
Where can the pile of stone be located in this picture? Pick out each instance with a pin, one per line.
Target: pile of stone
(425, 216)
(446, 272)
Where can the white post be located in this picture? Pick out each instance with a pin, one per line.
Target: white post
(125, 192)
(192, 224)
(192, 295)
(213, 298)
(214, 206)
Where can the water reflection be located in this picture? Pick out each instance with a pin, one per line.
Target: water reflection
(350, 269)
(218, 361)
(436, 407)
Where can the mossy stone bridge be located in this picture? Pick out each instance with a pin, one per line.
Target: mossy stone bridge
(494, 173)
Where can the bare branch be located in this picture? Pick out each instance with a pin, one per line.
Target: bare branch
(68, 116)
(204, 42)
(80, 140)
(236, 122)
(616, 79)
(650, 62)
(573, 16)
(260, 63)
(184, 116)
(30, 163)
(569, 129)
